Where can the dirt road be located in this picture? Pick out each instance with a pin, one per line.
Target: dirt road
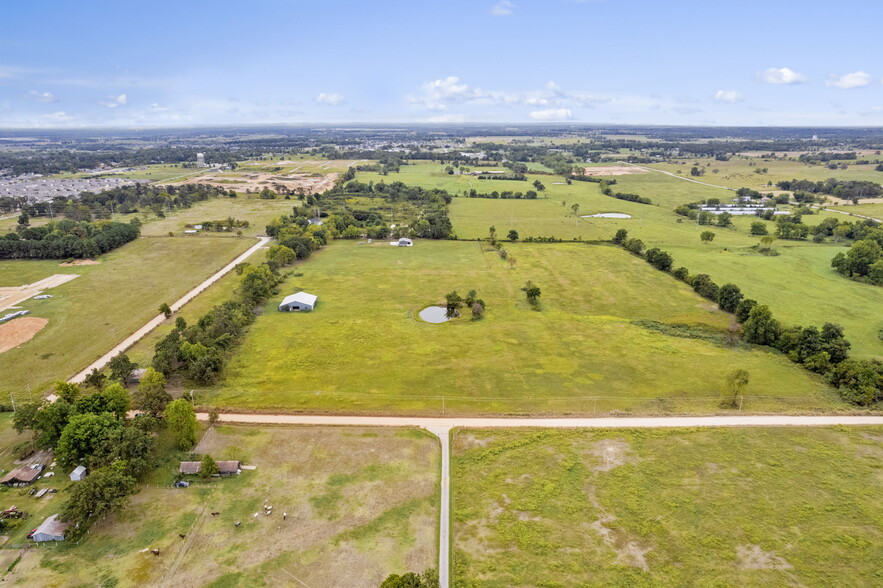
(158, 319)
(441, 427)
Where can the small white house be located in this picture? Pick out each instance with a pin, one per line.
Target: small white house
(298, 302)
(50, 530)
(78, 474)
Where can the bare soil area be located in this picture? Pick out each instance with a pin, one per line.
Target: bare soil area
(77, 262)
(614, 170)
(257, 181)
(12, 295)
(20, 330)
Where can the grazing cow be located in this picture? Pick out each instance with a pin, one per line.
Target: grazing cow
(214, 514)
(237, 523)
(181, 535)
(284, 515)
(154, 551)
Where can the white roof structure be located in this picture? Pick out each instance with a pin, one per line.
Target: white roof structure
(50, 530)
(301, 297)
(78, 474)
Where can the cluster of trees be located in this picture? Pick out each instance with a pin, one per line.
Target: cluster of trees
(454, 302)
(704, 217)
(824, 351)
(512, 176)
(506, 194)
(227, 224)
(66, 239)
(864, 260)
(608, 191)
(826, 156)
(87, 425)
(433, 221)
(428, 579)
(199, 351)
(846, 189)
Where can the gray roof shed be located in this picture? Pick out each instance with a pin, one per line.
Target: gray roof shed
(50, 530)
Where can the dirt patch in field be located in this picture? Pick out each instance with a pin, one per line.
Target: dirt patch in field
(612, 453)
(257, 181)
(20, 330)
(752, 557)
(614, 170)
(79, 262)
(465, 441)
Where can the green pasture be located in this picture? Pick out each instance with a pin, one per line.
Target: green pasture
(874, 210)
(364, 349)
(684, 507)
(108, 302)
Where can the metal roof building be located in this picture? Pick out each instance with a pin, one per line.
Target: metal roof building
(50, 530)
(298, 302)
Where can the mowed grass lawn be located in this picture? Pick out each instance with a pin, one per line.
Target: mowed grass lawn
(364, 348)
(360, 503)
(108, 302)
(688, 507)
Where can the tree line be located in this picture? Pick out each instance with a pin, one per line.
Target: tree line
(66, 239)
(824, 351)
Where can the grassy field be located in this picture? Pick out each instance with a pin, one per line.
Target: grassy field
(874, 210)
(360, 503)
(90, 314)
(799, 285)
(364, 349)
(257, 212)
(158, 173)
(691, 507)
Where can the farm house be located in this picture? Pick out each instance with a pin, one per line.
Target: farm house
(298, 302)
(50, 530)
(21, 477)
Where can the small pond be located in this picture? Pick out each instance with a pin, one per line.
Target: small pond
(608, 215)
(434, 314)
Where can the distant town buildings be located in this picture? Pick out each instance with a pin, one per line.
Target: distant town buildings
(39, 189)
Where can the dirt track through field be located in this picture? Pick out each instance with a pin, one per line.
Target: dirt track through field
(441, 427)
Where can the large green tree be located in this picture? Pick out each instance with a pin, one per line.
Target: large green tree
(84, 437)
(181, 421)
(761, 328)
(151, 396)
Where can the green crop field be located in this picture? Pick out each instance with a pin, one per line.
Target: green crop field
(687, 507)
(359, 503)
(364, 349)
(92, 313)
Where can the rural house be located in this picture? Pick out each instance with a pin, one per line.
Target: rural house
(78, 474)
(50, 530)
(21, 476)
(298, 302)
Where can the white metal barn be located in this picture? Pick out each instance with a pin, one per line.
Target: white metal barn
(298, 302)
(50, 530)
(78, 474)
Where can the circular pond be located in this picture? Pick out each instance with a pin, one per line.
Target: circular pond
(434, 314)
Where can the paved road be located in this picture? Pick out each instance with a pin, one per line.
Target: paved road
(441, 427)
(158, 319)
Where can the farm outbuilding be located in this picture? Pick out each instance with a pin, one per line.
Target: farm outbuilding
(225, 468)
(78, 474)
(21, 476)
(50, 530)
(298, 302)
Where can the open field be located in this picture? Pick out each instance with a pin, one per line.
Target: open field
(681, 507)
(874, 210)
(363, 348)
(256, 211)
(158, 172)
(89, 315)
(360, 503)
(799, 285)
(739, 171)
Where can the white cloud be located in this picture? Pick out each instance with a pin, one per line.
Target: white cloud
(552, 114)
(116, 101)
(330, 99)
(448, 118)
(60, 115)
(730, 96)
(781, 75)
(856, 79)
(42, 96)
(502, 8)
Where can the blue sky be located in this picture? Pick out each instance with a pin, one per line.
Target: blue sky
(161, 63)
